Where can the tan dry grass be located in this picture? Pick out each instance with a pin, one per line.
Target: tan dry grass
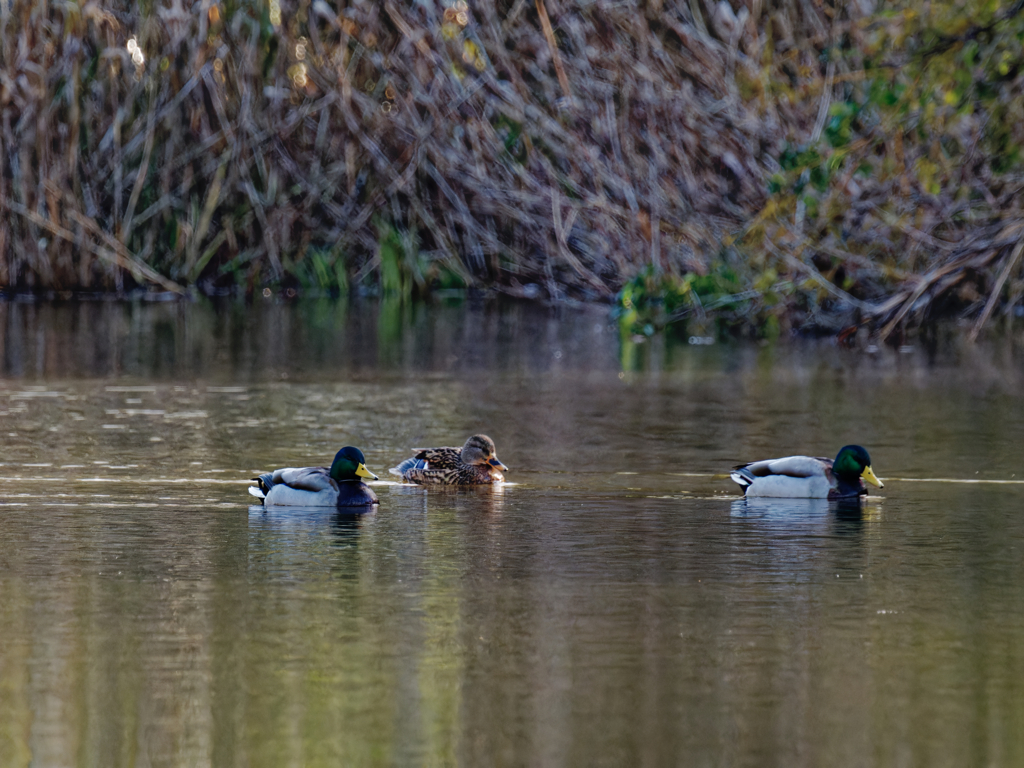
(565, 143)
(557, 142)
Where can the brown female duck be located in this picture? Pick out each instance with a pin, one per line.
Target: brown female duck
(473, 464)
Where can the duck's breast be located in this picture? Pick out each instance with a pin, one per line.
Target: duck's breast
(355, 495)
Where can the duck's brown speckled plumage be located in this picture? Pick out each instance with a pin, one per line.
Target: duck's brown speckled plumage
(440, 458)
(475, 463)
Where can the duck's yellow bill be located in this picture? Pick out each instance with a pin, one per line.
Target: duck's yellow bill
(362, 471)
(869, 476)
(495, 463)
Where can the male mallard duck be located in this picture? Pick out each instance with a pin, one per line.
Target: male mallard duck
(806, 477)
(473, 464)
(339, 486)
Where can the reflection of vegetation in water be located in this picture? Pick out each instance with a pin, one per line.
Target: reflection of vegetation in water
(653, 301)
(393, 317)
(629, 356)
(321, 270)
(324, 314)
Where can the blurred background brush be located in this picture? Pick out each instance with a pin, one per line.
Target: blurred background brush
(839, 164)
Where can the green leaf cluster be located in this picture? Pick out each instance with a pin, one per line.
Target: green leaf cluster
(653, 300)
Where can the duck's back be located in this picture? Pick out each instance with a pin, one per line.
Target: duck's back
(298, 487)
(440, 458)
(432, 465)
(312, 479)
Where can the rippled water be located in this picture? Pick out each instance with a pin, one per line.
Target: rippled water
(614, 604)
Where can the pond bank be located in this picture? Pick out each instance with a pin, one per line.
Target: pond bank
(779, 166)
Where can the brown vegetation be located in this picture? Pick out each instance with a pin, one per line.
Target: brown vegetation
(807, 161)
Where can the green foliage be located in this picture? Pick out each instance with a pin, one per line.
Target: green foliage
(445, 275)
(394, 276)
(405, 272)
(511, 134)
(724, 300)
(653, 300)
(322, 269)
(840, 127)
(804, 172)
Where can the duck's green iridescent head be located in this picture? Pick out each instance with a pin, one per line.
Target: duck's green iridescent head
(349, 465)
(852, 462)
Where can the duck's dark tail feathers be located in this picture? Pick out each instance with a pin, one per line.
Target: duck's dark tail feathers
(263, 485)
(406, 465)
(743, 476)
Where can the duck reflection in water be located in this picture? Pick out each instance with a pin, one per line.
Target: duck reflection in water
(343, 521)
(818, 538)
(346, 525)
(839, 516)
(477, 500)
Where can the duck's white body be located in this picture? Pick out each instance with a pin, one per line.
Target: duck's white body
(305, 487)
(783, 487)
(285, 496)
(791, 477)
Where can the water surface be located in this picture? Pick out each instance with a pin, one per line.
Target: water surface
(615, 604)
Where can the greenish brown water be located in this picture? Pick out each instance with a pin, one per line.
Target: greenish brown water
(615, 604)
